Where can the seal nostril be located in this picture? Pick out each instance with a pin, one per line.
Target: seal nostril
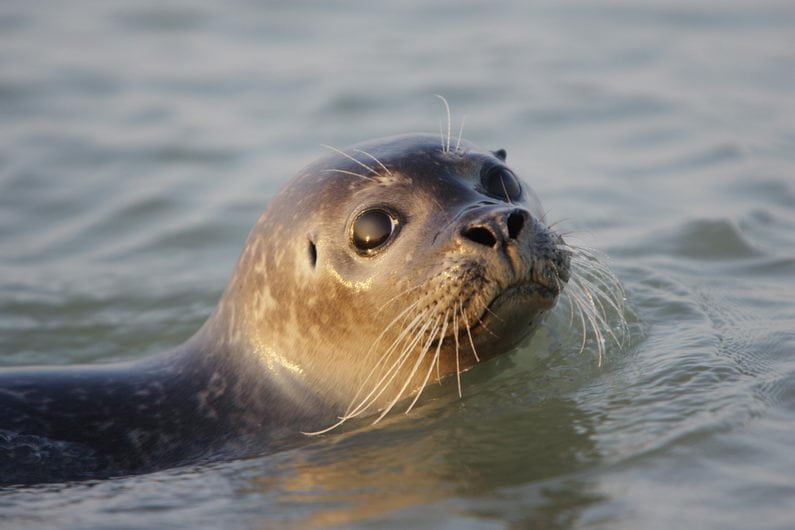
(312, 254)
(480, 235)
(515, 224)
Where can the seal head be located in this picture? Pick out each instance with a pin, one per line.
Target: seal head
(391, 262)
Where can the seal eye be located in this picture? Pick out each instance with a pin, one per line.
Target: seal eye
(501, 182)
(372, 229)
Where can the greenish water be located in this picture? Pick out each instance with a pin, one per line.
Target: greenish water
(140, 140)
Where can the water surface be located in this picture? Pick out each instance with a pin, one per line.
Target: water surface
(140, 140)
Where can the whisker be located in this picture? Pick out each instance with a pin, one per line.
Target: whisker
(435, 360)
(495, 315)
(571, 305)
(576, 303)
(469, 333)
(488, 330)
(399, 295)
(586, 263)
(438, 363)
(349, 413)
(396, 369)
(588, 286)
(457, 362)
(392, 323)
(327, 429)
(553, 224)
(349, 157)
(505, 191)
(406, 331)
(350, 173)
(589, 315)
(449, 123)
(365, 153)
(460, 133)
(417, 363)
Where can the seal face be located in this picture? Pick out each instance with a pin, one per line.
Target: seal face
(376, 269)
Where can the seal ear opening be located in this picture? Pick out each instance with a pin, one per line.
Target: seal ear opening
(312, 254)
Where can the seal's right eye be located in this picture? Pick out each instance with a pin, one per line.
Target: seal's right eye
(372, 229)
(500, 182)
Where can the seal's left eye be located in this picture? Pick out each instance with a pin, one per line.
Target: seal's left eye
(372, 229)
(502, 183)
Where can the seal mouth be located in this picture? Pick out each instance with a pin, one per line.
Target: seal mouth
(515, 308)
(511, 316)
(508, 318)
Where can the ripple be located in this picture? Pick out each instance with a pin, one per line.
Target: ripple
(593, 106)
(135, 137)
(678, 163)
(160, 19)
(700, 239)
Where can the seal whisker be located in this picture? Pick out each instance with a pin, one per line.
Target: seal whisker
(435, 360)
(556, 223)
(386, 378)
(608, 329)
(349, 157)
(480, 321)
(588, 310)
(343, 171)
(460, 133)
(396, 368)
(406, 331)
(327, 429)
(571, 305)
(584, 318)
(447, 217)
(592, 262)
(593, 301)
(495, 315)
(389, 326)
(505, 191)
(576, 310)
(576, 302)
(401, 294)
(457, 362)
(365, 153)
(594, 281)
(591, 265)
(446, 145)
(417, 363)
(469, 333)
(601, 296)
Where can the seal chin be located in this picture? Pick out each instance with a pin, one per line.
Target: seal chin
(511, 317)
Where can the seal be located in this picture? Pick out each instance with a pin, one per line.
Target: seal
(375, 270)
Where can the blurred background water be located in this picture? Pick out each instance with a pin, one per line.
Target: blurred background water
(140, 140)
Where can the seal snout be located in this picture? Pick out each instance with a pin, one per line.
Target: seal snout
(526, 268)
(496, 228)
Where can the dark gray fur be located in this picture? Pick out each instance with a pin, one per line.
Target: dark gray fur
(196, 403)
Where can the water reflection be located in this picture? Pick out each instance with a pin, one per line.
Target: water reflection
(480, 451)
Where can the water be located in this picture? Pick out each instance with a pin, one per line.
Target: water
(139, 141)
